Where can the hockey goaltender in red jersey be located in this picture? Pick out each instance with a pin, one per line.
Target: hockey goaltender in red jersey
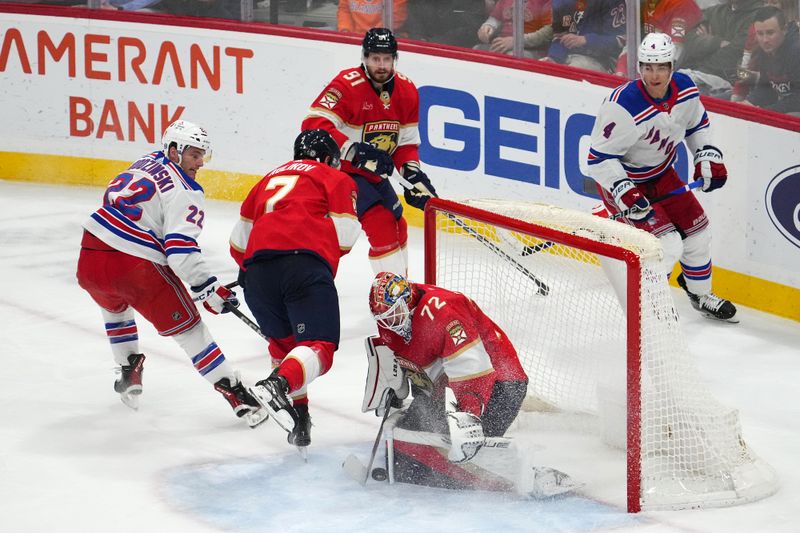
(441, 339)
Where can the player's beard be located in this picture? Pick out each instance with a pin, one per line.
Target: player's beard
(380, 76)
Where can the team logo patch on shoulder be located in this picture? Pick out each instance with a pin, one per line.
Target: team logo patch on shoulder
(383, 134)
(456, 332)
(329, 99)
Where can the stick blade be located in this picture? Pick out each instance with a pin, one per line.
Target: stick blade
(355, 469)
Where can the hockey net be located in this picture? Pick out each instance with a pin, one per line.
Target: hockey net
(556, 281)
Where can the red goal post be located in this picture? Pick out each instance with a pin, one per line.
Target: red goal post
(559, 281)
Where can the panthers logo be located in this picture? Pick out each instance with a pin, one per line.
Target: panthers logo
(383, 135)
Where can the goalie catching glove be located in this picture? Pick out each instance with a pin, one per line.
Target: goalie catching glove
(628, 197)
(466, 436)
(368, 157)
(708, 167)
(214, 296)
(422, 189)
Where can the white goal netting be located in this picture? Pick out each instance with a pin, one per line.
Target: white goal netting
(558, 282)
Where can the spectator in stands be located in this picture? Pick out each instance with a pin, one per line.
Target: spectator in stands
(673, 17)
(714, 49)
(775, 63)
(496, 34)
(358, 16)
(746, 76)
(446, 21)
(587, 34)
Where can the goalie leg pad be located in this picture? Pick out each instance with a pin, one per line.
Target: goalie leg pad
(420, 464)
(383, 374)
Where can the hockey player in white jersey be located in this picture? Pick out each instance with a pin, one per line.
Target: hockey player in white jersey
(633, 148)
(139, 246)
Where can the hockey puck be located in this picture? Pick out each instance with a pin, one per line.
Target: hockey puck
(379, 474)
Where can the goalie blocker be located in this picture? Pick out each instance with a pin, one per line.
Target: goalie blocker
(431, 443)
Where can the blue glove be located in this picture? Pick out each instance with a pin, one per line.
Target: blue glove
(423, 189)
(368, 157)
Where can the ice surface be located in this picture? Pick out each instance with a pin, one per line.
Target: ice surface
(74, 458)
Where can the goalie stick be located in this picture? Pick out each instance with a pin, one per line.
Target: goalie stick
(352, 465)
(530, 250)
(541, 286)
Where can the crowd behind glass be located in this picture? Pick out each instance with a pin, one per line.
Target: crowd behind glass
(747, 51)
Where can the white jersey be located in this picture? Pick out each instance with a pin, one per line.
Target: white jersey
(637, 137)
(154, 210)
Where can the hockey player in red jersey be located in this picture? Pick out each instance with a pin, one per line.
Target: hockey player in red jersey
(139, 246)
(372, 111)
(443, 339)
(295, 225)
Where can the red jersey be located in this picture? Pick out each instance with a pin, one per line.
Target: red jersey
(350, 109)
(303, 205)
(451, 336)
(673, 17)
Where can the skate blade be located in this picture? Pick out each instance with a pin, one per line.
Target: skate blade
(732, 320)
(281, 416)
(131, 398)
(303, 451)
(256, 418)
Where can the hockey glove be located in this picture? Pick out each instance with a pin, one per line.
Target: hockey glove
(368, 157)
(628, 197)
(214, 296)
(422, 191)
(708, 167)
(466, 436)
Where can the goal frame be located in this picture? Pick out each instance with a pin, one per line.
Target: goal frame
(633, 318)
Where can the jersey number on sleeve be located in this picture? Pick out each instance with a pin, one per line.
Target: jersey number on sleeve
(123, 193)
(354, 75)
(195, 216)
(284, 184)
(436, 302)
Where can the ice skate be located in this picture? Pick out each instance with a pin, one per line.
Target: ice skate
(711, 305)
(272, 393)
(301, 434)
(242, 402)
(129, 383)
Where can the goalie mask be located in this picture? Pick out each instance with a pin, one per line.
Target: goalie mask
(183, 134)
(389, 302)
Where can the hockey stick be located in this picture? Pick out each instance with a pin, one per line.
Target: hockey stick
(352, 465)
(530, 250)
(241, 316)
(542, 287)
(680, 190)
